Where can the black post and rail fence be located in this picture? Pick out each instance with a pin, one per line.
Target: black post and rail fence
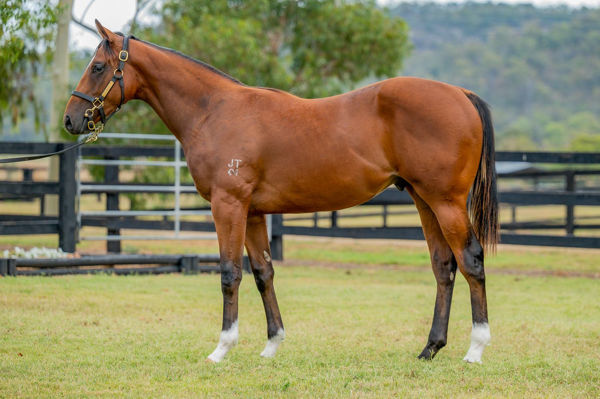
(65, 223)
(571, 195)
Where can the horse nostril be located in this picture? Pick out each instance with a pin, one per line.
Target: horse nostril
(68, 124)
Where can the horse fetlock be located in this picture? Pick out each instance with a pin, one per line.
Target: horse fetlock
(437, 343)
(434, 344)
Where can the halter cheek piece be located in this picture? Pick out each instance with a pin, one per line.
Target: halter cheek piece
(98, 102)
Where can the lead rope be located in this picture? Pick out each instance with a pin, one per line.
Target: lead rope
(90, 138)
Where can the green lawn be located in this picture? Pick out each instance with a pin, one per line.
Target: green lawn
(411, 254)
(350, 333)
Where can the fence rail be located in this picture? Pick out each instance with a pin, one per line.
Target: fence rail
(187, 264)
(115, 219)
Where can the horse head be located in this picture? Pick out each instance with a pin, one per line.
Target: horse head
(95, 98)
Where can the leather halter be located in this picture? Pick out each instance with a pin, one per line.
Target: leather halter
(98, 102)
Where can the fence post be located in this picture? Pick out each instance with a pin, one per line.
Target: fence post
(334, 219)
(277, 237)
(189, 264)
(513, 215)
(246, 267)
(385, 216)
(3, 267)
(67, 218)
(111, 177)
(12, 267)
(570, 217)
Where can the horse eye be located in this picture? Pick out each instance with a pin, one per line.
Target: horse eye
(97, 68)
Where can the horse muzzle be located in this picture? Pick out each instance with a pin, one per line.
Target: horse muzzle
(75, 126)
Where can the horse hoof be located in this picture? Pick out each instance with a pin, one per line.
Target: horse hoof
(427, 354)
(473, 360)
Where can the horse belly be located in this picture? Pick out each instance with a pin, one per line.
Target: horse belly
(319, 185)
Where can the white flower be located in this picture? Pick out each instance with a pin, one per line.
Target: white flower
(34, 253)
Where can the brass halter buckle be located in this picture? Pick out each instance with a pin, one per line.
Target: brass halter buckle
(123, 55)
(96, 104)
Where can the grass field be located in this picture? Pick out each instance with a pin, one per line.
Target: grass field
(354, 326)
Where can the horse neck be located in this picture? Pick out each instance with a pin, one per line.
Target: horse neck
(178, 89)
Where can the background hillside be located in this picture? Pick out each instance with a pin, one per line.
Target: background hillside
(539, 68)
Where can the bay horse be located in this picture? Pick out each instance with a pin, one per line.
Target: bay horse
(254, 151)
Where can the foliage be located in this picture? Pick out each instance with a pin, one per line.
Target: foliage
(313, 48)
(26, 41)
(538, 67)
(586, 142)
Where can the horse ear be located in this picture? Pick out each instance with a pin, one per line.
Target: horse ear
(104, 33)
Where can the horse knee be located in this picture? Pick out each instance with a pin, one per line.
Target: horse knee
(231, 276)
(473, 260)
(263, 275)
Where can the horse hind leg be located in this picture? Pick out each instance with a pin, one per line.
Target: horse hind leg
(454, 223)
(257, 246)
(444, 266)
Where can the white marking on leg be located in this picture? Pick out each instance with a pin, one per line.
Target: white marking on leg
(273, 344)
(480, 338)
(228, 340)
(451, 276)
(266, 256)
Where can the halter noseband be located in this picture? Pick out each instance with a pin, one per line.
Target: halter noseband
(98, 102)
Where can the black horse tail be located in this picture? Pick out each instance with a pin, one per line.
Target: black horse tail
(483, 206)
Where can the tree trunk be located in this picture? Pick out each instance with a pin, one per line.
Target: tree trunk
(60, 82)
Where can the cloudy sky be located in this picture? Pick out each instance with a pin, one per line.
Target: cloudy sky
(105, 12)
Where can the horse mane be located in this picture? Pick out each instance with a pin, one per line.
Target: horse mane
(187, 57)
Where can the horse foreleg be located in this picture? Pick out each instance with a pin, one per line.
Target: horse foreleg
(257, 246)
(444, 269)
(230, 216)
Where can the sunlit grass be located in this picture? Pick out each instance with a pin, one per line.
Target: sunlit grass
(350, 333)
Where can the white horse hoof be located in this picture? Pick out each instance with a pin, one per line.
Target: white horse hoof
(472, 359)
(228, 340)
(273, 344)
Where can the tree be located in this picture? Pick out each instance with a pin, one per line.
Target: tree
(26, 41)
(60, 68)
(312, 48)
